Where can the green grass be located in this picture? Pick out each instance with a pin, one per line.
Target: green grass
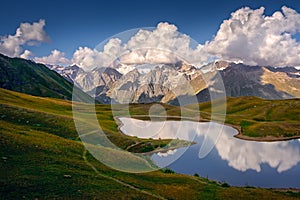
(259, 118)
(255, 117)
(39, 146)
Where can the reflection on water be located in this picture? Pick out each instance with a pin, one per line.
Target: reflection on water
(233, 160)
(244, 155)
(168, 153)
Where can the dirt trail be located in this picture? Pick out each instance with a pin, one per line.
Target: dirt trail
(117, 180)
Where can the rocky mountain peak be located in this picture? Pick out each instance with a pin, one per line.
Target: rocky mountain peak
(149, 82)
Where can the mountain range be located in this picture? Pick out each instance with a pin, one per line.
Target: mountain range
(165, 82)
(146, 83)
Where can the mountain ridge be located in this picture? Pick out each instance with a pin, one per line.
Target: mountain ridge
(161, 82)
(36, 79)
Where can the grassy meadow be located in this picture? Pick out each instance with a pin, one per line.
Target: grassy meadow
(42, 156)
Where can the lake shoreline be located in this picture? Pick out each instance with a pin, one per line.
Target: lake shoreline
(159, 149)
(240, 134)
(236, 134)
(265, 139)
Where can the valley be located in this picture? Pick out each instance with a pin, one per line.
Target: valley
(132, 100)
(37, 157)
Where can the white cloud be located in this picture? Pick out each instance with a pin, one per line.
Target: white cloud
(248, 36)
(257, 39)
(152, 56)
(26, 34)
(113, 47)
(91, 58)
(87, 58)
(55, 58)
(164, 44)
(134, 57)
(26, 54)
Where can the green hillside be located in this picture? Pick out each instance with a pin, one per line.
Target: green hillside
(41, 157)
(255, 118)
(260, 119)
(28, 77)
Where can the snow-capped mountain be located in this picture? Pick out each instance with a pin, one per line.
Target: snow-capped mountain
(165, 82)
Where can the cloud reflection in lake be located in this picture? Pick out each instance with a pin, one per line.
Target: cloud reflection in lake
(240, 154)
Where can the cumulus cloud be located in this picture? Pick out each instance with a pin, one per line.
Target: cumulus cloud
(256, 39)
(26, 34)
(55, 58)
(248, 36)
(152, 56)
(164, 44)
(26, 54)
(88, 58)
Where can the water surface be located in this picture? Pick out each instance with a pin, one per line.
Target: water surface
(232, 160)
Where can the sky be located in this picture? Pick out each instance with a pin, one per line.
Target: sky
(68, 28)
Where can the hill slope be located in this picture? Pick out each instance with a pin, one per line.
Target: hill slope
(260, 119)
(43, 159)
(28, 77)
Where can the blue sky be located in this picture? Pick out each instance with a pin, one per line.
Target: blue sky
(71, 24)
